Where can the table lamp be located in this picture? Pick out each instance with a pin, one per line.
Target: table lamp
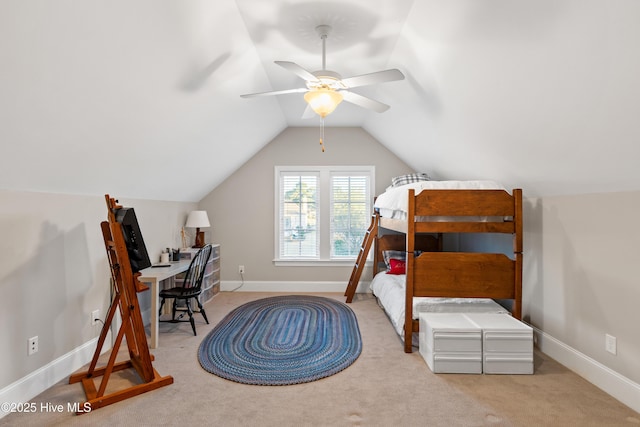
(197, 219)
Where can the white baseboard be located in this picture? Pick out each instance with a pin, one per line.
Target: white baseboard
(608, 380)
(279, 286)
(45, 377)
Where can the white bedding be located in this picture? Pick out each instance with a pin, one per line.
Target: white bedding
(390, 291)
(393, 202)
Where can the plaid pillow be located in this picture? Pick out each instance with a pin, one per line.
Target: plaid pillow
(396, 255)
(389, 255)
(408, 179)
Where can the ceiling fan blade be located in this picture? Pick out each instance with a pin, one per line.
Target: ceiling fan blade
(364, 102)
(275, 92)
(373, 78)
(297, 70)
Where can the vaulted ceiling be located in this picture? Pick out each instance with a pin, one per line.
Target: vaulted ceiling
(142, 97)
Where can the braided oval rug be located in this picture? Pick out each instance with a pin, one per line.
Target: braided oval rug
(282, 340)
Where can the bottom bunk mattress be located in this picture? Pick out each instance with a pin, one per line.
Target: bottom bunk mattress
(389, 289)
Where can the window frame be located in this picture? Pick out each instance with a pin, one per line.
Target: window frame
(323, 201)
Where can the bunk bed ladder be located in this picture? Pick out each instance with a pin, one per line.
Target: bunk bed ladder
(358, 268)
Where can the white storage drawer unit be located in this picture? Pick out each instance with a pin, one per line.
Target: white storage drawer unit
(450, 343)
(507, 344)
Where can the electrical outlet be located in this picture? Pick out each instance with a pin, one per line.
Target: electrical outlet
(241, 269)
(33, 345)
(95, 315)
(611, 344)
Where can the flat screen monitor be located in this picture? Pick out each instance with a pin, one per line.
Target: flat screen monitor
(138, 256)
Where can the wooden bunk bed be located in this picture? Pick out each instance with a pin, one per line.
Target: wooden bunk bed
(434, 273)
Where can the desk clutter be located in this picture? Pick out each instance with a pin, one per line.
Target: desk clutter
(170, 255)
(476, 343)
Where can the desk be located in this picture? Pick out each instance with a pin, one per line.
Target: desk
(153, 276)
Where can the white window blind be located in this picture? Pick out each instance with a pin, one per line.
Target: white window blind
(299, 215)
(350, 213)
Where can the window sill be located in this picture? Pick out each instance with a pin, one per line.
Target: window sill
(316, 263)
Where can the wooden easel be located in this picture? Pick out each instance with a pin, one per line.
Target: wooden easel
(127, 286)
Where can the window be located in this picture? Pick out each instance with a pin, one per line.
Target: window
(299, 215)
(350, 212)
(322, 212)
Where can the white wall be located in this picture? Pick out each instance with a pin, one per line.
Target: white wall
(54, 272)
(540, 95)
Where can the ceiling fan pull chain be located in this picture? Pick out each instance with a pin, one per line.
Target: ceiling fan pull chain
(322, 133)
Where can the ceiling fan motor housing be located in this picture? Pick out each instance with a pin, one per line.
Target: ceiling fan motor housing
(326, 79)
(323, 30)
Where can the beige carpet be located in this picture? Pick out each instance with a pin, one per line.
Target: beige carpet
(384, 387)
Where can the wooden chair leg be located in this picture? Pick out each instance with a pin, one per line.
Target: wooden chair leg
(191, 320)
(161, 305)
(202, 311)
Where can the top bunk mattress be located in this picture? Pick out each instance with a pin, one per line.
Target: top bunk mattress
(393, 202)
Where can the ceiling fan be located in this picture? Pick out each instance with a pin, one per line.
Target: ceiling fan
(325, 89)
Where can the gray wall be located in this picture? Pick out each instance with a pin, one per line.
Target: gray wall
(581, 281)
(241, 209)
(54, 271)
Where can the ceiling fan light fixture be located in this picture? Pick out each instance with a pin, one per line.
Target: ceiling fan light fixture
(323, 101)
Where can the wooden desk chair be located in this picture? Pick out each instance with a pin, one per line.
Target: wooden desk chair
(190, 288)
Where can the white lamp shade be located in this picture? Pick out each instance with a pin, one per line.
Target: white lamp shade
(197, 219)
